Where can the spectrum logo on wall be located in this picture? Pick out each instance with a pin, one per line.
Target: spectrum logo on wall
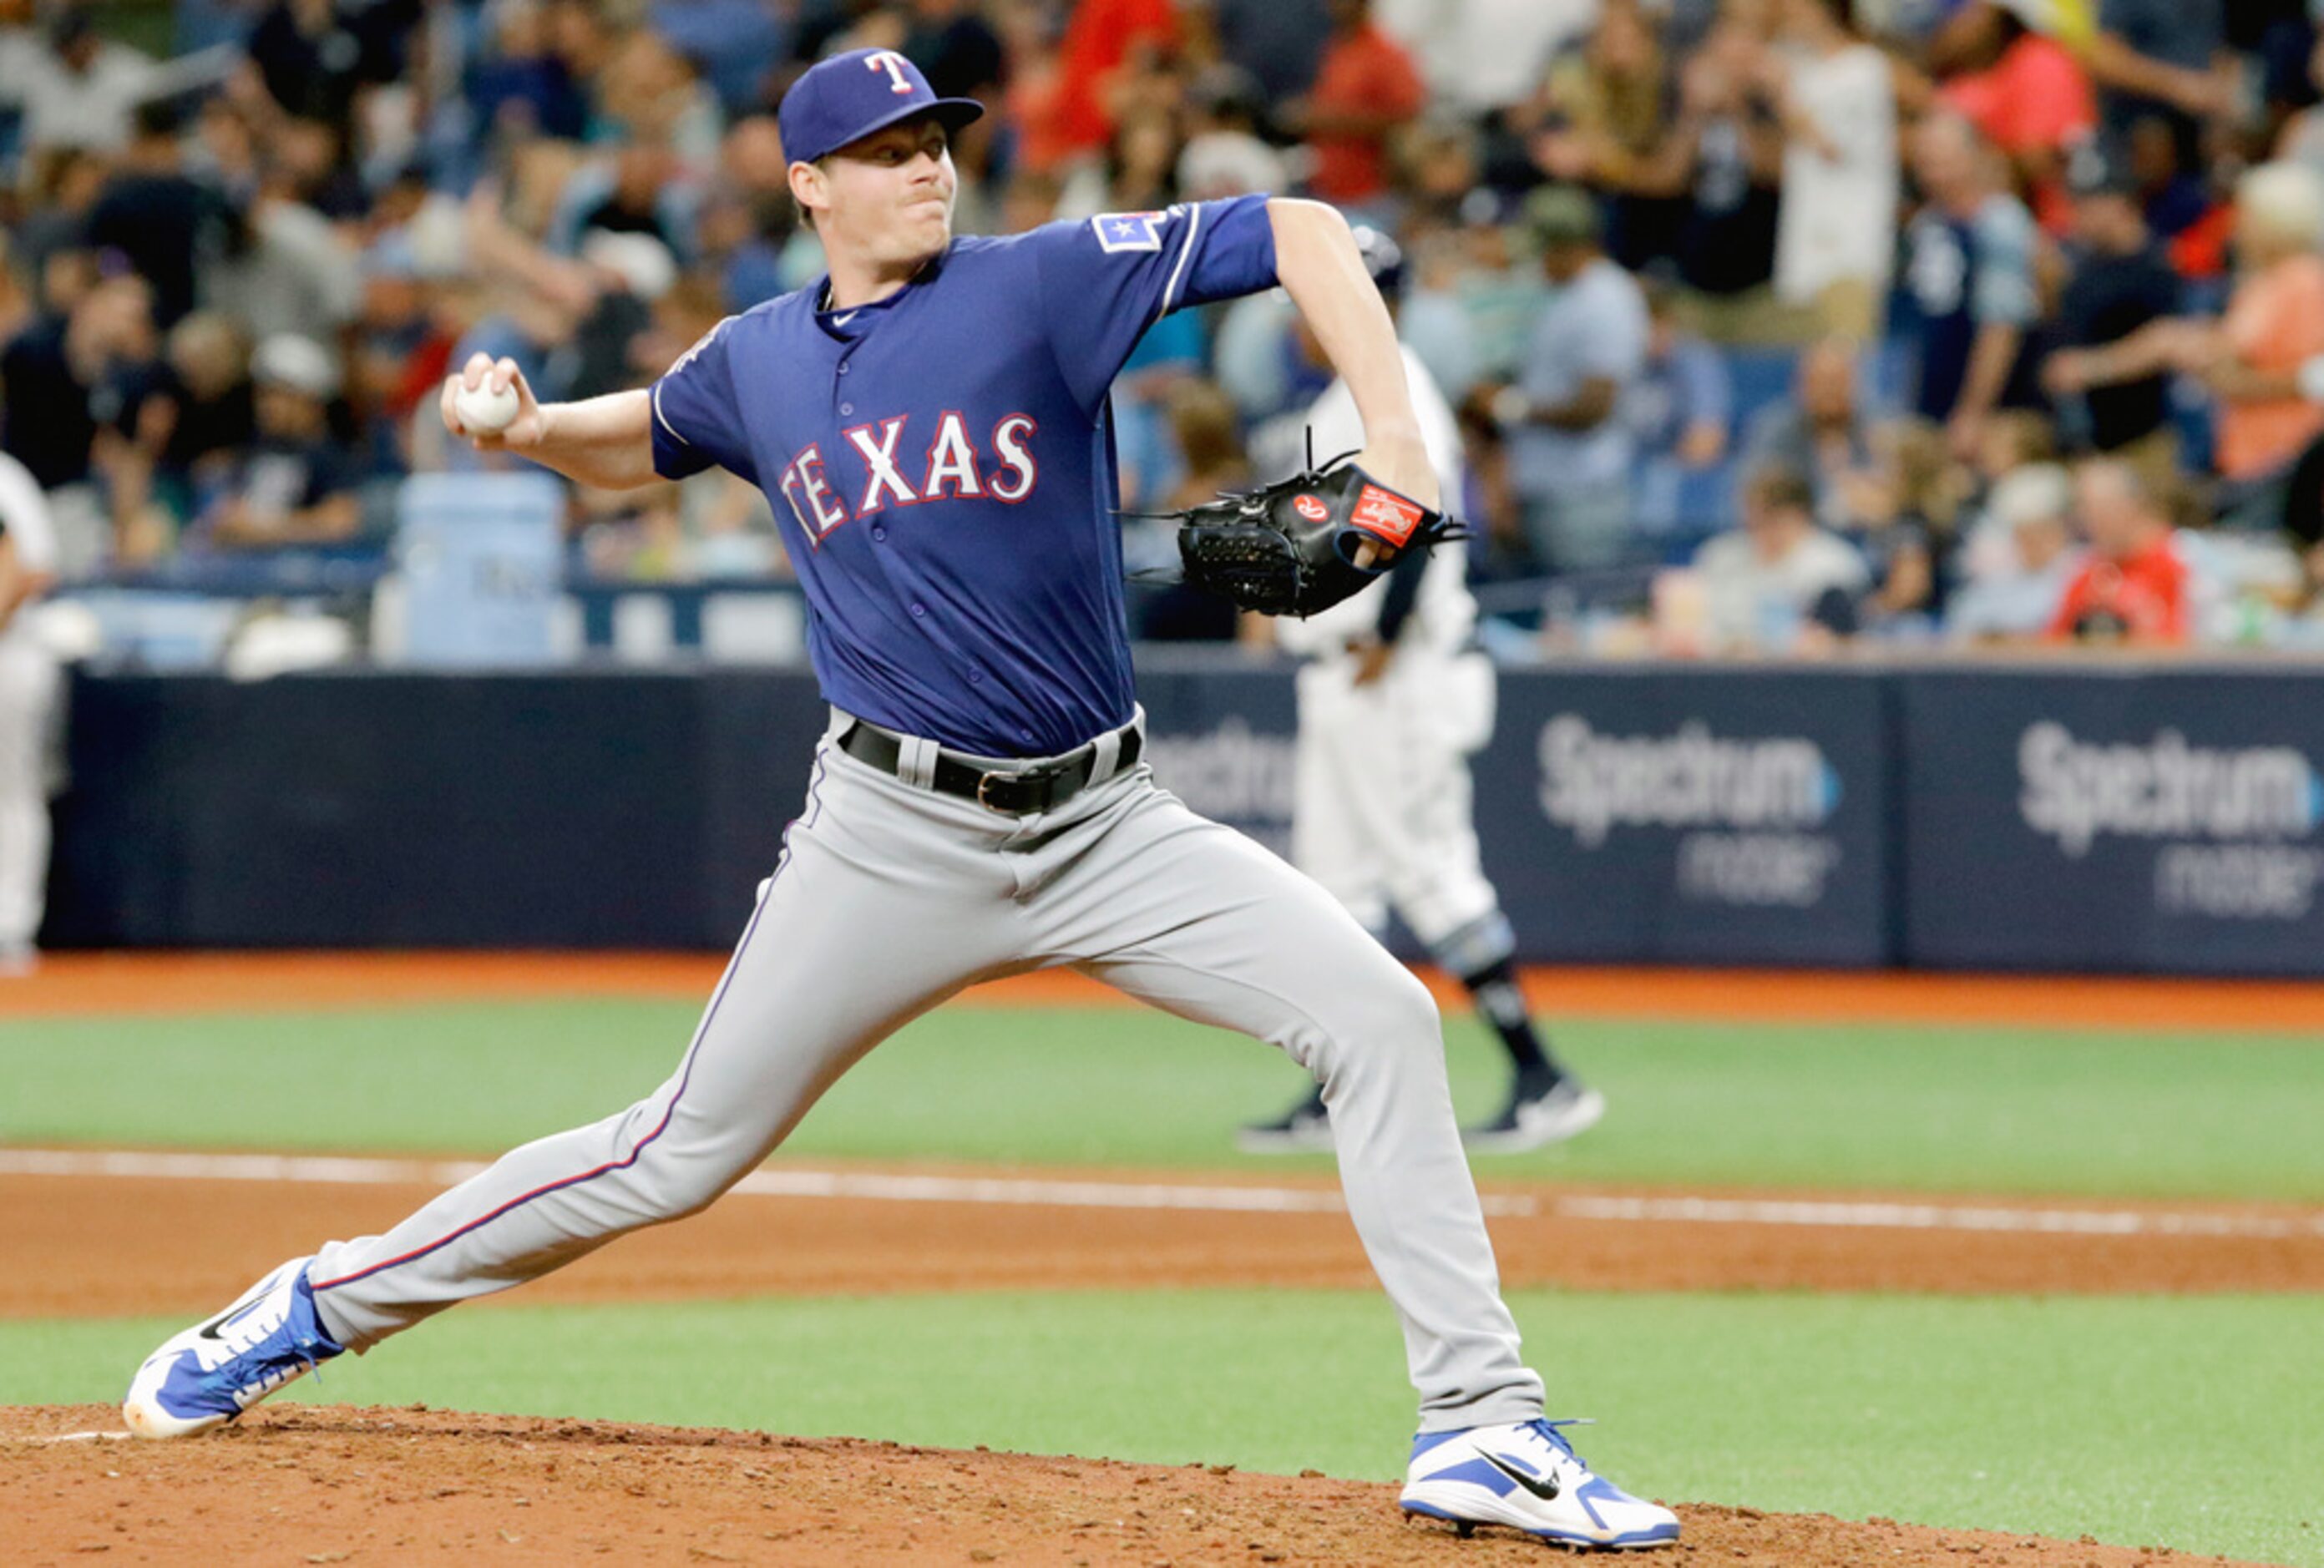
(2228, 819)
(1748, 808)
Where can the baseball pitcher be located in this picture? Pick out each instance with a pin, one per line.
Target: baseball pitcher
(928, 422)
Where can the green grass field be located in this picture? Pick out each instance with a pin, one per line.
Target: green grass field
(1937, 1110)
(2195, 1422)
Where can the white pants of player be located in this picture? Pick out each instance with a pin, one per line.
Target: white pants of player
(888, 900)
(29, 686)
(1383, 814)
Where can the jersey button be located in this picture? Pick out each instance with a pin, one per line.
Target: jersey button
(843, 367)
(847, 408)
(975, 676)
(878, 534)
(920, 610)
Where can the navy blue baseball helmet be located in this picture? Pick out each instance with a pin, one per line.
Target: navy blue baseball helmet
(850, 95)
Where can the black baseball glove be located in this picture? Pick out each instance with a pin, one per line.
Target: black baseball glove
(1290, 548)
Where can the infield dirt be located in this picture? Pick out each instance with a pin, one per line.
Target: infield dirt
(321, 1484)
(402, 1486)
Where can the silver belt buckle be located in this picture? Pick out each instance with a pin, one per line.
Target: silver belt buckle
(986, 781)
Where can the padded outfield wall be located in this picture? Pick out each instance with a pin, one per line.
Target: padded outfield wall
(2116, 817)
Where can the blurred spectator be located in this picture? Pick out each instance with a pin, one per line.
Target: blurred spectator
(1434, 322)
(51, 244)
(2014, 439)
(2135, 587)
(1779, 584)
(75, 382)
(203, 417)
(1499, 282)
(2251, 360)
(640, 189)
(1105, 43)
(285, 269)
(2302, 625)
(1278, 43)
(649, 95)
(2118, 283)
(2301, 139)
(1725, 153)
(1969, 275)
(1366, 87)
(1836, 234)
(312, 57)
(1900, 516)
(2025, 92)
(522, 88)
(2023, 558)
(1224, 155)
(1599, 119)
(2176, 200)
(296, 484)
(81, 90)
(29, 689)
(1137, 174)
(1484, 57)
(2164, 58)
(167, 224)
(955, 49)
(1570, 454)
(735, 42)
(1821, 431)
(1678, 411)
(2274, 325)
(1680, 406)
(400, 352)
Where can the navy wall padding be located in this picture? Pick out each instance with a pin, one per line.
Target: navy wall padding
(2117, 818)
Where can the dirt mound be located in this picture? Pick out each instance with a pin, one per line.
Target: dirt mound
(328, 1484)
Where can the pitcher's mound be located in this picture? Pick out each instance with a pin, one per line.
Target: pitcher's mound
(295, 1484)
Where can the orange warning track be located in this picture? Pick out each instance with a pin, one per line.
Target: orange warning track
(118, 984)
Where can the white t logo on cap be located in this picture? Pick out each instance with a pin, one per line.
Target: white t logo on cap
(889, 60)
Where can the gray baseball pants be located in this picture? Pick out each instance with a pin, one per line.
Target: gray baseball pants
(887, 899)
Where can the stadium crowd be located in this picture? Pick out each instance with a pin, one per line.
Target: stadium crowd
(1772, 324)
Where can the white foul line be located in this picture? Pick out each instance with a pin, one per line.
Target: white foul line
(1044, 1193)
(74, 1437)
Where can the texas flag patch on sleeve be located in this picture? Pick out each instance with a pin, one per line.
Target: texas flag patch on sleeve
(1129, 231)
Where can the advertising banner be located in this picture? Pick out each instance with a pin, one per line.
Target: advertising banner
(1668, 815)
(2114, 820)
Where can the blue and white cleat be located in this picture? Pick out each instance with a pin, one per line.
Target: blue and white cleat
(1529, 1478)
(216, 1370)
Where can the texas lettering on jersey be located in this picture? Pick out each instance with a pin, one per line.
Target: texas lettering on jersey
(950, 467)
(966, 420)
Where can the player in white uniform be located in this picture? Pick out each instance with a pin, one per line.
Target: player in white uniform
(1394, 698)
(28, 683)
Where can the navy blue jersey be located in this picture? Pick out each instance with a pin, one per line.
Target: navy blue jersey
(941, 466)
(1959, 277)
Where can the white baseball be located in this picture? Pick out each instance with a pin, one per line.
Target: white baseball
(483, 410)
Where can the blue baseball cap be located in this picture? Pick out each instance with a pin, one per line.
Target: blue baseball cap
(850, 95)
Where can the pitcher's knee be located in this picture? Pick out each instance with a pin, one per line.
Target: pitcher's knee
(1384, 1018)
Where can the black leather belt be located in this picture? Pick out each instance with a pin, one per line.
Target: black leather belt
(1014, 792)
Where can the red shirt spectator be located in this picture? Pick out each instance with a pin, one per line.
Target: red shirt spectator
(1365, 87)
(1102, 35)
(2135, 586)
(2032, 103)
